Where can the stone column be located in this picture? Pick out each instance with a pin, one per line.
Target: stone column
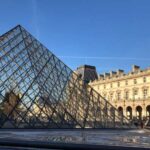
(144, 111)
(133, 110)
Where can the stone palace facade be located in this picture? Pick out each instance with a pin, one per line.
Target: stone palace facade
(129, 93)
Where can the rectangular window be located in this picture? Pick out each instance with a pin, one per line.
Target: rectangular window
(105, 96)
(135, 94)
(111, 85)
(119, 96)
(127, 95)
(144, 79)
(104, 86)
(135, 81)
(111, 96)
(145, 91)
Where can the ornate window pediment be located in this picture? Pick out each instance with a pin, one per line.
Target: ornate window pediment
(125, 90)
(135, 88)
(145, 87)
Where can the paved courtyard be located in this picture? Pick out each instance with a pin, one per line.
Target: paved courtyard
(133, 138)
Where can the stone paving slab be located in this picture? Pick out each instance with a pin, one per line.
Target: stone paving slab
(125, 138)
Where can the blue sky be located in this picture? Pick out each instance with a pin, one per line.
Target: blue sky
(109, 34)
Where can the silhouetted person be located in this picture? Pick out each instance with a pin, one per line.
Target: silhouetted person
(136, 124)
(142, 125)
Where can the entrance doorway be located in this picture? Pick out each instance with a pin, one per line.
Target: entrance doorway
(148, 112)
(129, 112)
(139, 112)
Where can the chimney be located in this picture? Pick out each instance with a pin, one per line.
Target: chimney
(101, 76)
(112, 73)
(135, 68)
(106, 75)
(120, 72)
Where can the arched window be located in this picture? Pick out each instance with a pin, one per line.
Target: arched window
(129, 112)
(148, 111)
(112, 111)
(120, 110)
(139, 112)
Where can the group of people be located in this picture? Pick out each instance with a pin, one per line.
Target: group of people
(139, 124)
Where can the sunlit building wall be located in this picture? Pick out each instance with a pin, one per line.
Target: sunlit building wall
(129, 93)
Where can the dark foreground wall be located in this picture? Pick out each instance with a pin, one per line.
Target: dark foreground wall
(38, 145)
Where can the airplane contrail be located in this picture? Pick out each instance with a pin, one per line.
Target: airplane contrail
(105, 58)
(35, 17)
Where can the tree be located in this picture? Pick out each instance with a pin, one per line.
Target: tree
(11, 104)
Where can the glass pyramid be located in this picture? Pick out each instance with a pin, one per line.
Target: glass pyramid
(37, 90)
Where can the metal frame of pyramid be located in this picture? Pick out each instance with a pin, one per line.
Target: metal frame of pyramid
(37, 90)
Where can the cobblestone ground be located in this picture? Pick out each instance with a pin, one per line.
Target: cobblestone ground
(135, 138)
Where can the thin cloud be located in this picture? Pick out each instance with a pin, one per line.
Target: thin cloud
(35, 17)
(106, 58)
